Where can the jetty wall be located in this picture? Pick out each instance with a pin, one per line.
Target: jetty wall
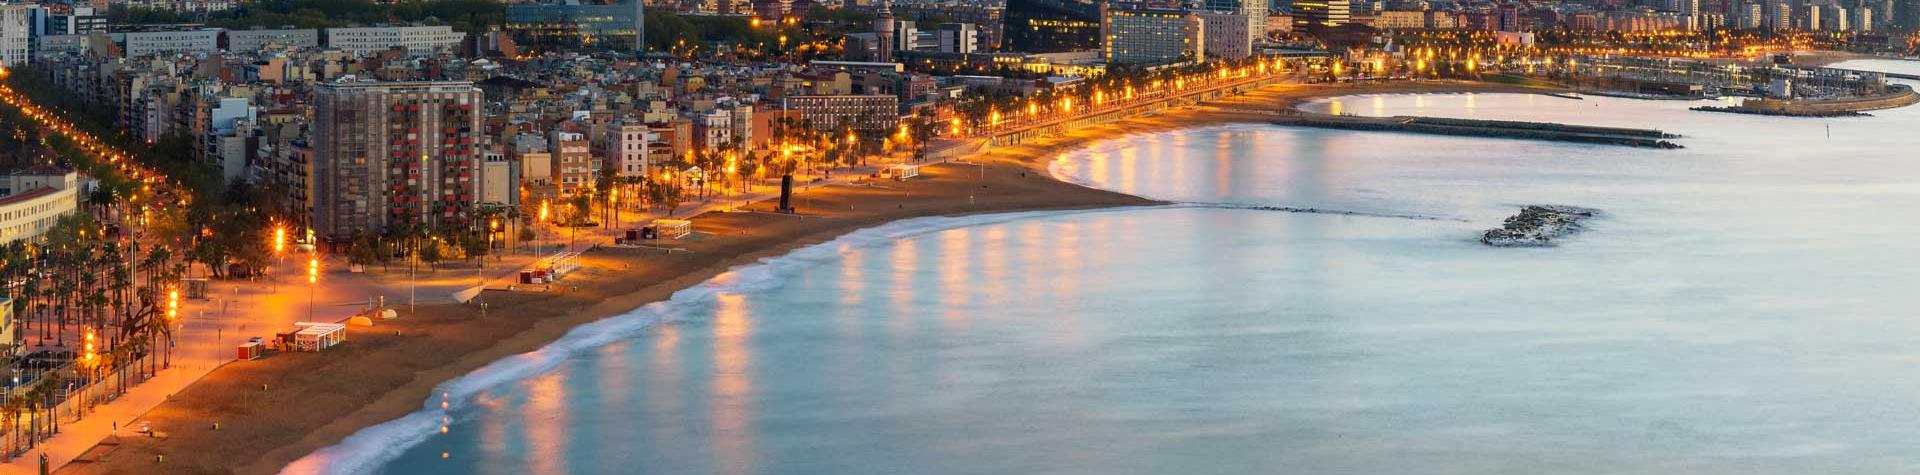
(1486, 128)
(1900, 95)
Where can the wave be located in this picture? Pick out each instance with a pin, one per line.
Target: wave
(370, 448)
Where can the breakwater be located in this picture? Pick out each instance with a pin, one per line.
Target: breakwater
(1649, 138)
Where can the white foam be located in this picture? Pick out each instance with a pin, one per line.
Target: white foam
(366, 450)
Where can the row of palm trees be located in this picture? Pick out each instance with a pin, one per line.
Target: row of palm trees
(797, 144)
(83, 284)
(1118, 87)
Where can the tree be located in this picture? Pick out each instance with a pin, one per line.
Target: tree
(364, 248)
(749, 167)
(430, 252)
(475, 247)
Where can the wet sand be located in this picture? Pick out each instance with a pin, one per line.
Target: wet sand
(275, 410)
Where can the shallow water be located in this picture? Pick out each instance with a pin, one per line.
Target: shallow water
(1743, 307)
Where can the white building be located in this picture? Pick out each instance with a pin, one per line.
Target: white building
(627, 147)
(499, 180)
(416, 39)
(715, 127)
(961, 38)
(229, 126)
(31, 202)
(16, 34)
(1227, 34)
(145, 43)
(246, 41)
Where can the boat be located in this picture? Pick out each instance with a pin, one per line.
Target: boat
(1566, 95)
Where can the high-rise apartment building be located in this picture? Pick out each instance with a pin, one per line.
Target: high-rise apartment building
(394, 154)
(1150, 36)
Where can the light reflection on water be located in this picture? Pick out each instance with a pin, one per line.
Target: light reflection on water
(1743, 308)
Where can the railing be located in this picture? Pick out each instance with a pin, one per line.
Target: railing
(17, 436)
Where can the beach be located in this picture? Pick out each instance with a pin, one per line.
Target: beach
(270, 412)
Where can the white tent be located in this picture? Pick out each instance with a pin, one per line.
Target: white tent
(318, 336)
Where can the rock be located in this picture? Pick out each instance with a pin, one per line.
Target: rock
(1537, 226)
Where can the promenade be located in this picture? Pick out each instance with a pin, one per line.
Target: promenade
(234, 311)
(237, 310)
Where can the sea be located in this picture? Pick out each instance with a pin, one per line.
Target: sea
(1315, 301)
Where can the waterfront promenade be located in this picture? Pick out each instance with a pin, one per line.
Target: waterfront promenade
(387, 371)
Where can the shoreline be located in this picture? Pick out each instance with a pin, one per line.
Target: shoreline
(277, 410)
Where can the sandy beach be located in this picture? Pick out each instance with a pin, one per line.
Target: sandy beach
(272, 411)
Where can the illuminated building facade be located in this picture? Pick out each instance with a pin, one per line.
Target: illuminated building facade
(1051, 26)
(614, 25)
(860, 112)
(1309, 14)
(1152, 36)
(989, 20)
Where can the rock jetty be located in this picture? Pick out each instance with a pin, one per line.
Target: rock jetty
(1537, 226)
(1782, 112)
(1649, 138)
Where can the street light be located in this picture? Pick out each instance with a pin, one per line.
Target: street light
(538, 248)
(88, 361)
(313, 279)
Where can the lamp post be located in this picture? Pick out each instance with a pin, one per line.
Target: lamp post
(173, 316)
(613, 209)
(279, 246)
(543, 219)
(87, 361)
(313, 280)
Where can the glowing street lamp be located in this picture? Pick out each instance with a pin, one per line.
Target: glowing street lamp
(313, 280)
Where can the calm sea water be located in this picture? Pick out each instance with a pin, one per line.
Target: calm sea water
(1745, 305)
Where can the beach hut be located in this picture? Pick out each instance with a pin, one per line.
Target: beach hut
(251, 350)
(902, 172)
(672, 228)
(318, 336)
